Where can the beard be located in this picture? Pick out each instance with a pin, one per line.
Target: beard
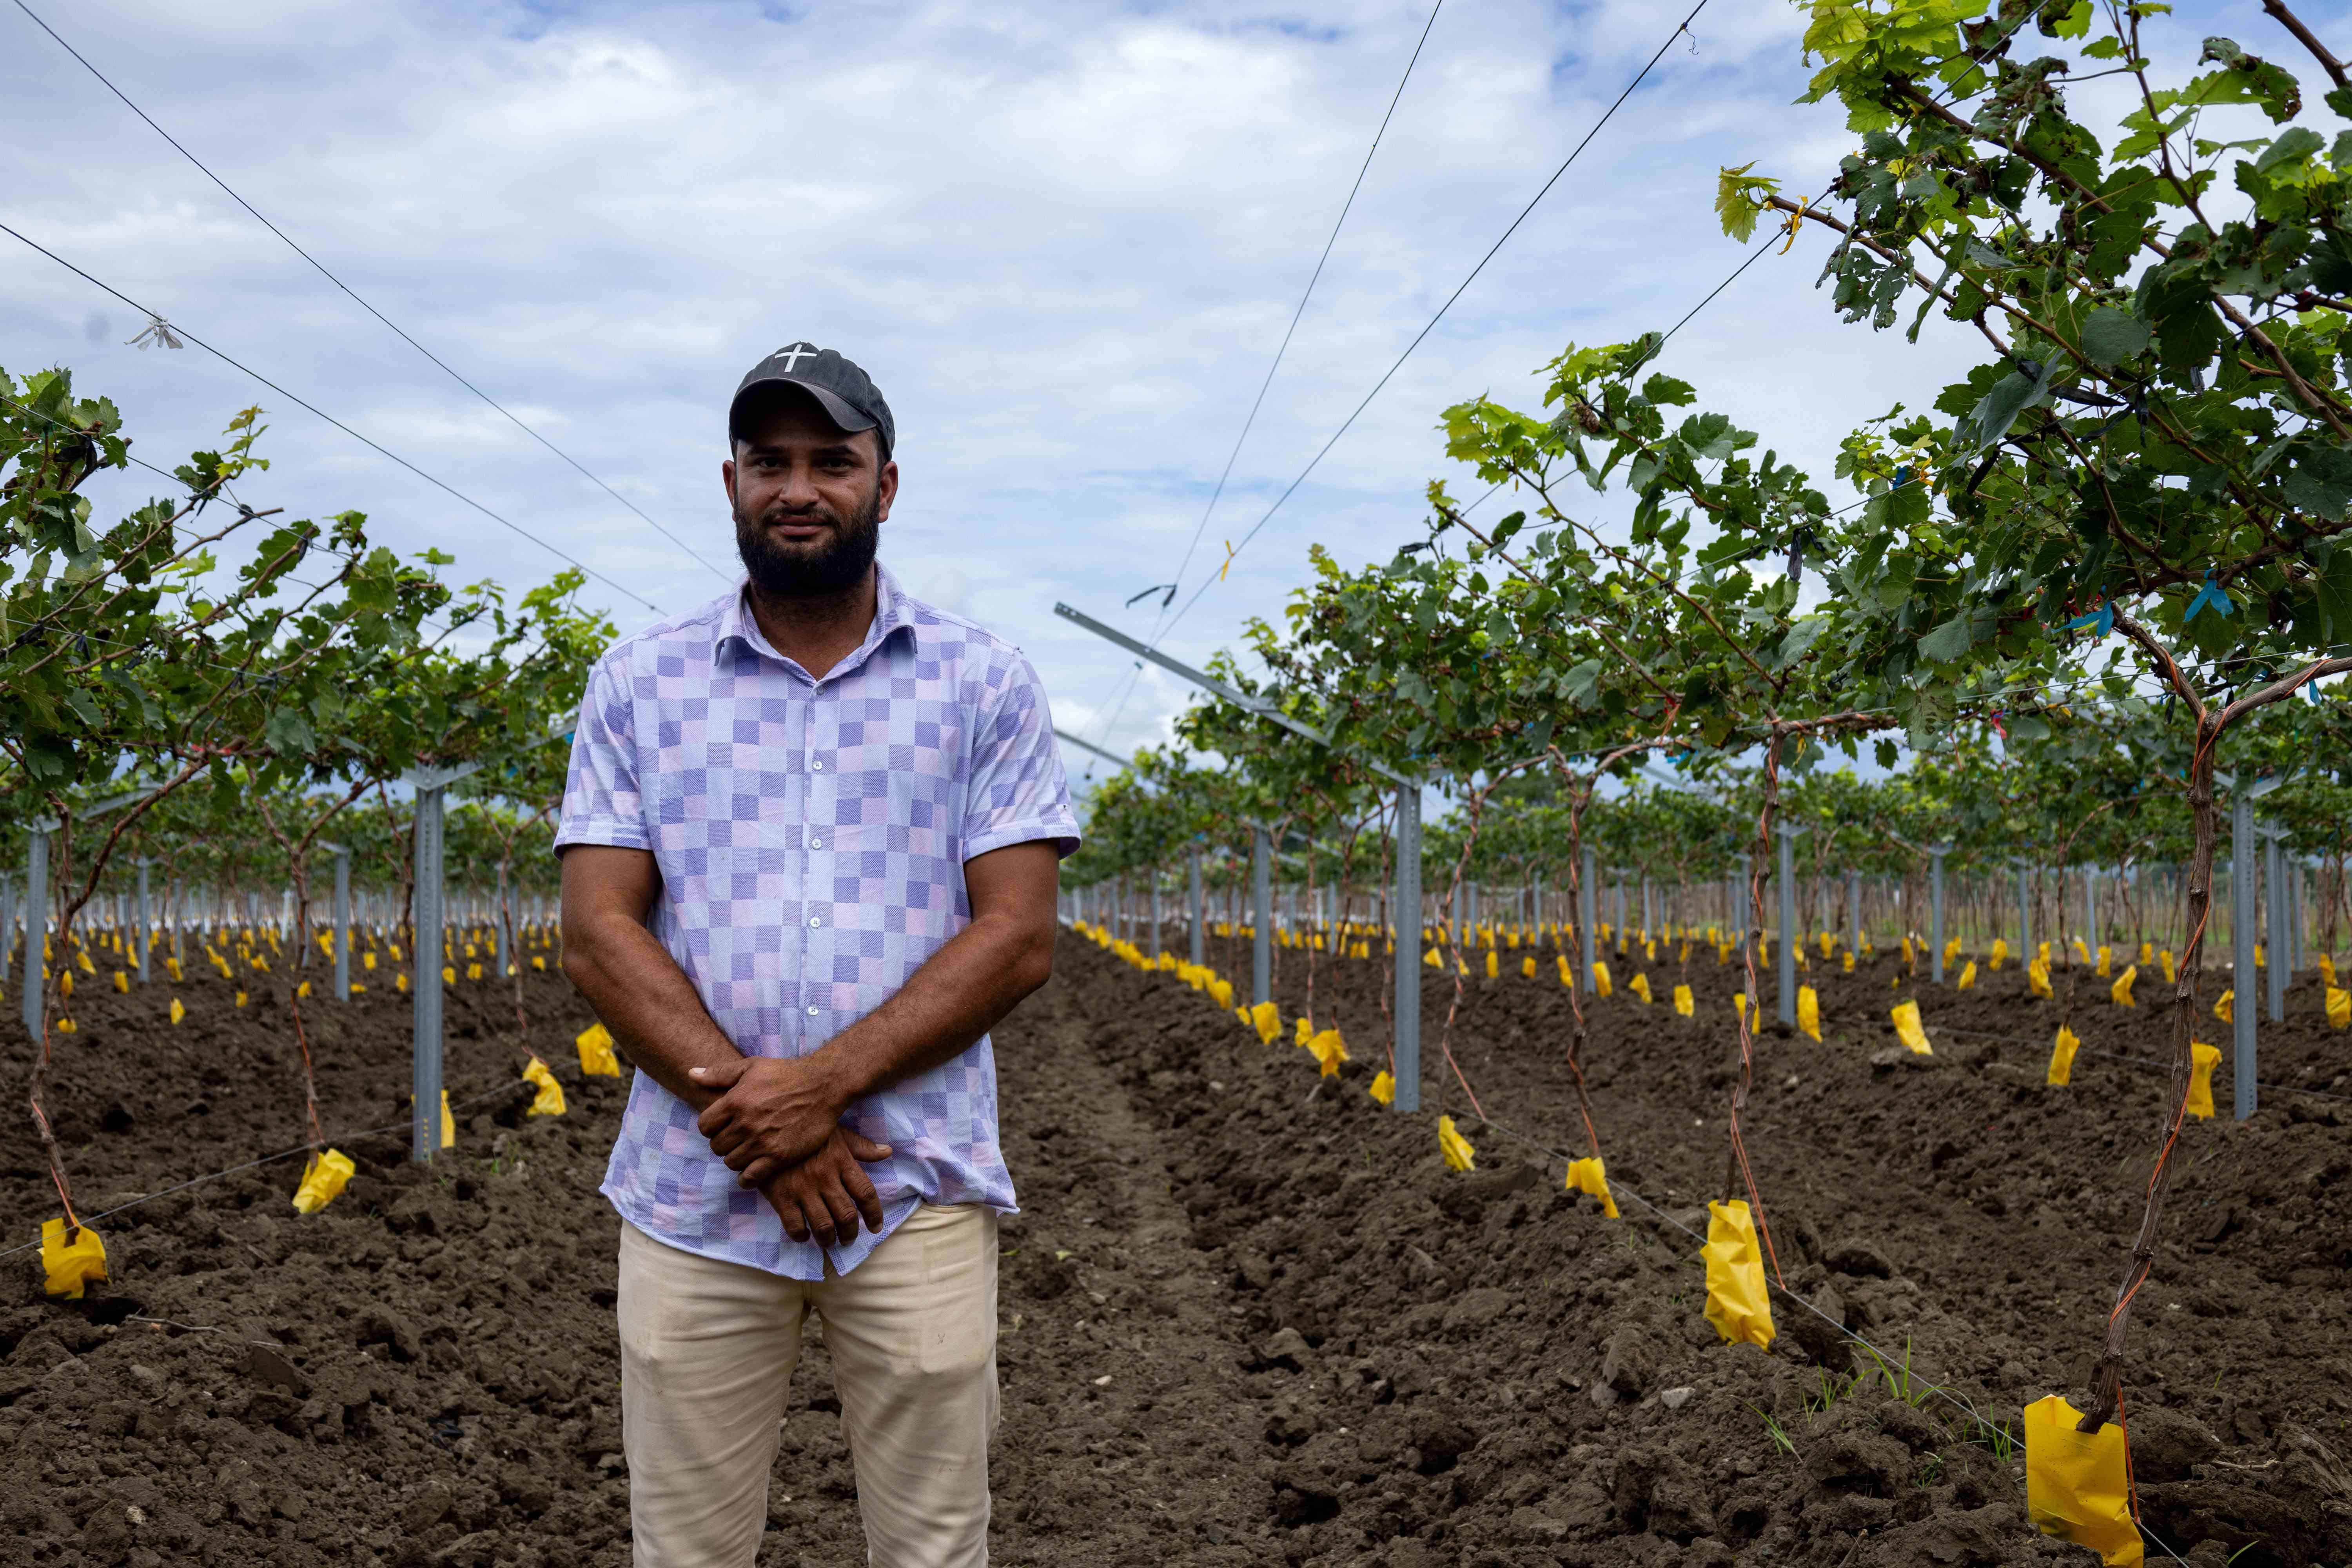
(815, 570)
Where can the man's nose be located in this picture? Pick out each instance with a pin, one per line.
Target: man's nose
(799, 489)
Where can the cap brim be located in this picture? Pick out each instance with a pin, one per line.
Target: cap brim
(845, 417)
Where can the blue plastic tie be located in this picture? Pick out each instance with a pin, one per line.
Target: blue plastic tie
(2210, 594)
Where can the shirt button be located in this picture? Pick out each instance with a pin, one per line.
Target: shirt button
(815, 921)
(818, 766)
(817, 843)
(812, 1012)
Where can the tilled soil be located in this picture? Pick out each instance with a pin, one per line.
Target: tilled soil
(1247, 1314)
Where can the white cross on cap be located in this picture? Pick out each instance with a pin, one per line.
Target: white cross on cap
(793, 353)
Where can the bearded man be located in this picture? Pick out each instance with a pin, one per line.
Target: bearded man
(811, 839)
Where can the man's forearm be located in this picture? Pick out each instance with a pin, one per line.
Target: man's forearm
(958, 995)
(647, 1002)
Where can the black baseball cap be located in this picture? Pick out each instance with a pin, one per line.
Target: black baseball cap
(847, 393)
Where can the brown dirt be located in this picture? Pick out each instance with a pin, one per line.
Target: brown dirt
(1320, 1346)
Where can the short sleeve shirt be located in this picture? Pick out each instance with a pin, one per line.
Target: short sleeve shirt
(811, 837)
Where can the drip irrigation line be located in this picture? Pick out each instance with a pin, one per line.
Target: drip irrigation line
(322, 271)
(1460, 288)
(265, 1159)
(374, 446)
(2142, 1061)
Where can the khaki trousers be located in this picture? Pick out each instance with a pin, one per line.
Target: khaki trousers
(707, 1354)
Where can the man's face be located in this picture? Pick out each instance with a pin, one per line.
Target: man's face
(809, 501)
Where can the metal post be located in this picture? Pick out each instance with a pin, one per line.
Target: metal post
(424, 1075)
(2274, 973)
(2241, 946)
(2091, 909)
(1854, 912)
(1199, 935)
(36, 923)
(342, 925)
(1408, 948)
(141, 925)
(1535, 910)
(1155, 914)
(1936, 854)
(2025, 914)
(1786, 877)
(1260, 916)
(1588, 903)
(1743, 908)
(7, 923)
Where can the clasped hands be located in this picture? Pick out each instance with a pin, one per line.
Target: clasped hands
(777, 1123)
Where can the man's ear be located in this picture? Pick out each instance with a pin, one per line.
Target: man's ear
(886, 492)
(727, 478)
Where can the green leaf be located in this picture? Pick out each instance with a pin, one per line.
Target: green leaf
(2111, 336)
(1740, 200)
(1947, 642)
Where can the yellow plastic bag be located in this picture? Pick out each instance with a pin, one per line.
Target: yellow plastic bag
(2147, 952)
(1910, 1030)
(1999, 953)
(2224, 1007)
(2339, 1006)
(1809, 1012)
(1384, 1087)
(2037, 978)
(240, 999)
(1492, 969)
(448, 975)
(1221, 992)
(123, 982)
(1266, 1019)
(1527, 967)
(2107, 959)
(1590, 1177)
(2082, 953)
(322, 1181)
(1909, 955)
(70, 1266)
(1459, 1154)
(1829, 943)
(1306, 1031)
(178, 1012)
(1599, 977)
(1682, 1002)
(1754, 1010)
(1566, 976)
(1969, 975)
(2062, 1057)
(1848, 958)
(1737, 1303)
(2326, 969)
(551, 1093)
(2120, 992)
(596, 1057)
(2078, 1484)
(1329, 1051)
(2202, 1060)
(1640, 986)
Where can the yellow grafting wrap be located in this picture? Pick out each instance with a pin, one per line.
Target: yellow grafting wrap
(1737, 1303)
(2078, 1484)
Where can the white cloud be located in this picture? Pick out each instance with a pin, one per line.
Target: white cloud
(1064, 237)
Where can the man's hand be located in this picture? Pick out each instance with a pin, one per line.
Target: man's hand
(827, 1194)
(774, 1110)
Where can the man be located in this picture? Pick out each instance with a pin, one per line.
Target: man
(810, 840)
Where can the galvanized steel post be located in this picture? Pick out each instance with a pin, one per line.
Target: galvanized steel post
(1407, 913)
(1262, 916)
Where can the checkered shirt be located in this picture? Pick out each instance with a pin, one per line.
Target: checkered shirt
(811, 836)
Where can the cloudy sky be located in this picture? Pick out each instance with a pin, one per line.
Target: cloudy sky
(1065, 240)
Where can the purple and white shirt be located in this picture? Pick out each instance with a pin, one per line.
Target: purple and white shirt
(811, 836)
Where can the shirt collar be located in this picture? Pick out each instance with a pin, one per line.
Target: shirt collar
(892, 610)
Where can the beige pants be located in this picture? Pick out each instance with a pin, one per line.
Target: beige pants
(707, 1354)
